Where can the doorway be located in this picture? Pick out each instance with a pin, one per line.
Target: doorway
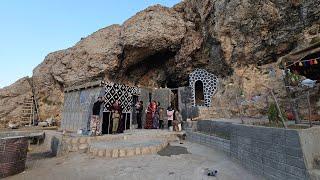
(106, 123)
(174, 99)
(199, 93)
(135, 99)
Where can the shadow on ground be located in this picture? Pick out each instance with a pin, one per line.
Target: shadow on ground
(173, 150)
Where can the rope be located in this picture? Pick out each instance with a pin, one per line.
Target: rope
(302, 61)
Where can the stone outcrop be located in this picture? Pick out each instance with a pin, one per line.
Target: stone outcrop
(160, 46)
(95, 55)
(156, 29)
(11, 100)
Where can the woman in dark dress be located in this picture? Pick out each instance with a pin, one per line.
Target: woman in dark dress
(156, 117)
(152, 107)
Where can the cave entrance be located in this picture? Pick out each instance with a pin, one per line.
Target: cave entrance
(309, 66)
(147, 67)
(175, 98)
(199, 93)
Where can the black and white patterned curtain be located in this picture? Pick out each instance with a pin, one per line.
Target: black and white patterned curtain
(122, 93)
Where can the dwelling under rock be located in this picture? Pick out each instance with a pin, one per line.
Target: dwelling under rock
(305, 62)
(303, 77)
(80, 97)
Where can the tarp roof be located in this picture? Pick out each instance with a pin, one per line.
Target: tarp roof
(300, 54)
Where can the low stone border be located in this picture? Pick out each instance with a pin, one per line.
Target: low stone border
(126, 151)
(83, 144)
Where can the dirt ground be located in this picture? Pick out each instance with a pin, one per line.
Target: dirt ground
(190, 164)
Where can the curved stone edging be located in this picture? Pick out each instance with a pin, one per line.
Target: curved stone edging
(126, 151)
(84, 144)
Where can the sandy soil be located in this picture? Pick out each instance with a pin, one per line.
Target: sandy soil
(189, 166)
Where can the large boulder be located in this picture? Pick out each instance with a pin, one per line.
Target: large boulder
(153, 30)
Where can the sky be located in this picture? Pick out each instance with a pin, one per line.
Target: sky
(29, 30)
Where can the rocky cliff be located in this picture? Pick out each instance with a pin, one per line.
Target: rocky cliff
(160, 46)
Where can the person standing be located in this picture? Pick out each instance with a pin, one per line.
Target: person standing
(160, 111)
(139, 109)
(116, 116)
(150, 111)
(177, 122)
(155, 118)
(95, 122)
(170, 114)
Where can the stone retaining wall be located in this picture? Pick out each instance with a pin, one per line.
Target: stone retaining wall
(214, 127)
(310, 142)
(274, 153)
(13, 155)
(208, 140)
(271, 152)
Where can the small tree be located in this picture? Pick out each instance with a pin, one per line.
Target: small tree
(273, 114)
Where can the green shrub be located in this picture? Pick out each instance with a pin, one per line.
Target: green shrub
(273, 114)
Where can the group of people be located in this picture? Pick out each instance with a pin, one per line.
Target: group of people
(156, 116)
(115, 125)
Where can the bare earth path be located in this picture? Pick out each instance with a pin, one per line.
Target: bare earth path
(184, 166)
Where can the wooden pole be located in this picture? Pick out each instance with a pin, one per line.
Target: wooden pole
(239, 108)
(279, 110)
(309, 107)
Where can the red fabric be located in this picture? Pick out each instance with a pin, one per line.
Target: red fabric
(153, 106)
(149, 117)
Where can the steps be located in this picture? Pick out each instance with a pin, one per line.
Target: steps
(29, 112)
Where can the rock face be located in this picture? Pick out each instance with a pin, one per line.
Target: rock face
(160, 46)
(92, 56)
(11, 100)
(156, 29)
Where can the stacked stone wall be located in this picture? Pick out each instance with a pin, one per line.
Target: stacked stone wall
(273, 153)
(13, 155)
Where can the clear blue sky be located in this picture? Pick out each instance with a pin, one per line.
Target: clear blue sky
(30, 29)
